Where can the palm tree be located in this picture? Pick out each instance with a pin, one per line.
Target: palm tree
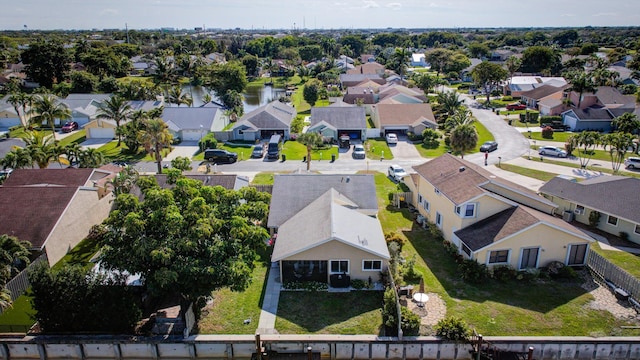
(399, 61)
(206, 98)
(17, 158)
(587, 140)
(20, 100)
(627, 123)
(90, 158)
(46, 109)
(513, 64)
(14, 256)
(156, 136)
(176, 96)
(448, 103)
(461, 116)
(581, 82)
(41, 148)
(310, 139)
(116, 108)
(618, 144)
(124, 181)
(463, 138)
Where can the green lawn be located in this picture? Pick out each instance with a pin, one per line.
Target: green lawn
(377, 148)
(589, 167)
(532, 173)
(294, 150)
(483, 135)
(77, 137)
(112, 152)
(627, 261)
(560, 136)
(263, 178)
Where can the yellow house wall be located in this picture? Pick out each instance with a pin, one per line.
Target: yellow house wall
(335, 250)
(554, 245)
(84, 211)
(522, 199)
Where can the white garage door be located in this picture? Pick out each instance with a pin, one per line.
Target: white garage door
(101, 133)
(191, 135)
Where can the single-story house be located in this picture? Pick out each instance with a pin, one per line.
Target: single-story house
(360, 95)
(519, 84)
(419, 59)
(614, 197)
(84, 107)
(492, 220)
(272, 118)
(333, 121)
(191, 123)
(533, 97)
(348, 80)
(593, 118)
(403, 118)
(596, 110)
(368, 68)
(54, 209)
(8, 115)
(227, 181)
(106, 128)
(392, 93)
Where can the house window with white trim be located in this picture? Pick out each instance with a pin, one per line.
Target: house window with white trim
(425, 205)
(339, 266)
(612, 220)
(466, 210)
(438, 219)
(371, 265)
(498, 256)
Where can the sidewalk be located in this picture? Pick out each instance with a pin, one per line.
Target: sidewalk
(267, 322)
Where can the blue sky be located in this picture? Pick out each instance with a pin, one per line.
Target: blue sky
(321, 14)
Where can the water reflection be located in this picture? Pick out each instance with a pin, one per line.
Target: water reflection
(254, 96)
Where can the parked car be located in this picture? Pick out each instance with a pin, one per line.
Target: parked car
(552, 150)
(69, 126)
(258, 151)
(220, 156)
(392, 138)
(358, 152)
(516, 106)
(396, 172)
(632, 163)
(489, 146)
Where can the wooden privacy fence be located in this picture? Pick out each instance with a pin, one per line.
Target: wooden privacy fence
(611, 273)
(19, 284)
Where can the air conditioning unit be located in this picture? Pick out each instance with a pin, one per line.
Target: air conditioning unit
(578, 211)
(567, 216)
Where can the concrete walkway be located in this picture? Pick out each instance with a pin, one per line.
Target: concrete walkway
(267, 322)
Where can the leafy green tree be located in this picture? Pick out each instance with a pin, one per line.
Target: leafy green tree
(627, 123)
(488, 75)
(457, 62)
(47, 62)
(5, 299)
(191, 239)
(587, 141)
(224, 78)
(438, 58)
(310, 140)
(540, 59)
(512, 63)
(155, 137)
(478, 50)
(181, 163)
(463, 138)
(310, 52)
(426, 82)
(71, 299)
(14, 256)
(46, 108)
(310, 93)
(117, 109)
(104, 61)
(356, 43)
(452, 328)
(233, 101)
(250, 63)
(83, 82)
(617, 144)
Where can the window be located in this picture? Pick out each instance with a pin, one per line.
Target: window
(438, 219)
(466, 210)
(500, 256)
(579, 210)
(637, 229)
(371, 265)
(612, 220)
(425, 205)
(529, 258)
(419, 198)
(339, 266)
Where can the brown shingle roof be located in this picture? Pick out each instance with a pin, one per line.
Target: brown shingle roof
(543, 91)
(404, 114)
(32, 212)
(51, 177)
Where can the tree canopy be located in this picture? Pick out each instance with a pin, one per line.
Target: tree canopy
(487, 75)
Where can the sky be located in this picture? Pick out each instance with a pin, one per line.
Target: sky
(314, 14)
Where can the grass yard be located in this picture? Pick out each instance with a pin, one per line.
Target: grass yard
(296, 151)
(332, 313)
(629, 262)
(532, 173)
(376, 148)
(112, 152)
(483, 135)
(243, 150)
(589, 167)
(263, 178)
(78, 137)
(560, 136)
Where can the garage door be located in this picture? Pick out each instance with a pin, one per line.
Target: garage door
(353, 134)
(396, 130)
(192, 135)
(100, 133)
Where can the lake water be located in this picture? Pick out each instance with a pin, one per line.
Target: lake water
(254, 96)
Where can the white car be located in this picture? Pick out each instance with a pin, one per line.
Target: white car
(552, 150)
(632, 163)
(396, 172)
(392, 138)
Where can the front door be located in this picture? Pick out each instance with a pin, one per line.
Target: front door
(529, 258)
(577, 254)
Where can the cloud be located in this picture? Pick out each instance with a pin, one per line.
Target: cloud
(370, 4)
(605, 14)
(394, 6)
(109, 12)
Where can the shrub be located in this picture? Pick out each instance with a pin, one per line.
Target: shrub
(208, 142)
(414, 137)
(547, 132)
(528, 275)
(408, 269)
(567, 272)
(450, 248)
(306, 285)
(389, 310)
(624, 235)
(548, 120)
(435, 232)
(594, 218)
(394, 237)
(504, 273)
(358, 284)
(472, 271)
(430, 138)
(507, 98)
(410, 323)
(452, 328)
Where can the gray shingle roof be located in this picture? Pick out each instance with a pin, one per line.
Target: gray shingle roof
(331, 217)
(615, 195)
(274, 115)
(593, 113)
(293, 192)
(189, 118)
(340, 117)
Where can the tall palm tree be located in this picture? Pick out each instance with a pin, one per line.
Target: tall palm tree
(618, 144)
(512, 63)
(17, 158)
(310, 139)
(124, 181)
(461, 116)
(156, 136)
(176, 96)
(587, 140)
(46, 109)
(116, 108)
(463, 138)
(581, 82)
(90, 158)
(20, 100)
(399, 61)
(448, 103)
(41, 148)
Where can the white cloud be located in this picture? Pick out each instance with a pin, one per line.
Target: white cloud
(370, 4)
(394, 6)
(606, 14)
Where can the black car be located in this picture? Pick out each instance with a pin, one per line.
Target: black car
(220, 156)
(489, 146)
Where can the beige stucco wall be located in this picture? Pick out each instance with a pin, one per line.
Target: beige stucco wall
(335, 250)
(554, 244)
(623, 225)
(84, 211)
(537, 204)
(99, 124)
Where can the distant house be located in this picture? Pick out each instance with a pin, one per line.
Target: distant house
(368, 68)
(363, 95)
(418, 59)
(365, 58)
(100, 128)
(399, 94)
(492, 220)
(84, 107)
(465, 74)
(595, 111)
(327, 229)
(403, 118)
(333, 121)
(614, 197)
(272, 118)
(189, 123)
(8, 115)
(349, 80)
(545, 99)
(500, 55)
(54, 209)
(519, 84)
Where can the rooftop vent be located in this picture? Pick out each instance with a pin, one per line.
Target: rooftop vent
(462, 168)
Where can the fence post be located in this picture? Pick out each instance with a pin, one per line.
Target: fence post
(478, 346)
(530, 354)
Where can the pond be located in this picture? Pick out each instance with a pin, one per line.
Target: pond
(254, 96)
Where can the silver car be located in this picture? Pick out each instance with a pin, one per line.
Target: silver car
(553, 151)
(358, 152)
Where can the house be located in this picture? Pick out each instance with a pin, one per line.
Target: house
(272, 118)
(596, 110)
(54, 209)
(84, 107)
(492, 220)
(500, 55)
(191, 123)
(100, 128)
(365, 58)
(418, 59)
(614, 197)
(327, 228)
(399, 94)
(227, 181)
(519, 84)
(344, 62)
(368, 68)
(8, 115)
(403, 118)
(348, 80)
(362, 95)
(334, 121)
(465, 74)
(540, 98)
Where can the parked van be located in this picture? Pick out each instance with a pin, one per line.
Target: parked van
(275, 146)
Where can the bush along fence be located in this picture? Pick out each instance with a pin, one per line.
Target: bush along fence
(624, 285)
(20, 283)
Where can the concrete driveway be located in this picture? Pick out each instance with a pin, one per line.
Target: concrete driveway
(184, 149)
(404, 149)
(95, 143)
